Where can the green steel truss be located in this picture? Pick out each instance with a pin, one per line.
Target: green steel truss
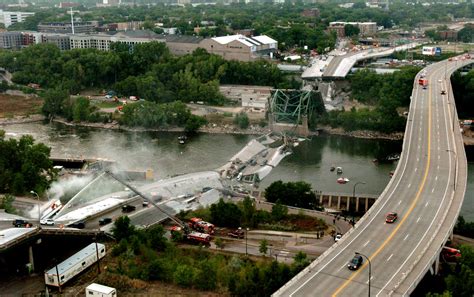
(289, 106)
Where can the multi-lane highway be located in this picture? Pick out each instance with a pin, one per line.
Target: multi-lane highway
(426, 191)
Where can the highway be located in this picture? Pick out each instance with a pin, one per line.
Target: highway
(423, 191)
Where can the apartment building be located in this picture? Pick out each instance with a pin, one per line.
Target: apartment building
(11, 40)
(65, 28)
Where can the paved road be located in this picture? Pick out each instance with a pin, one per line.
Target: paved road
(421, 192)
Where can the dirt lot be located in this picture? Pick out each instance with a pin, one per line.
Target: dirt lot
(11, 105)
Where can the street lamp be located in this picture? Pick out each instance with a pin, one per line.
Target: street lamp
(39, 208)
(353, 193)
(370, 267)
(455, 166)
(246, 231)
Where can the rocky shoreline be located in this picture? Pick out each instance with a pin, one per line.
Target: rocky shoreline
(211, 128)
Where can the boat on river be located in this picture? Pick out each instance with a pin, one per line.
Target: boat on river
(182, 139)
(339, 170)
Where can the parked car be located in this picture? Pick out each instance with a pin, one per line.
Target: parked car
(105, 221)
(145, 203)
(21, 223)
(78, 225)
(337, 237)
(48, 222)
(206, 189)
(128, 208)
(443, 92)
(238, 233)
(355, 263)
(391, 217)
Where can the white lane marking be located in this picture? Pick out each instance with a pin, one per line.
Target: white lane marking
(436, 177)
(417, 159)
(389, 191)
(419, 138)
(439, 157)
(426, 204)
(418, 146)
(436, 214)
(365, 244)
(409, 185)
(399, 202)
(371, 278)
(341, 267)
(406, 237)
(388, 259)
(418, 219)
(432, 191)
(416, 168)
(437, 167)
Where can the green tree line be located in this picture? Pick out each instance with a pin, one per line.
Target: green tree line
(24, 165)
(148, 255)
(148, 71)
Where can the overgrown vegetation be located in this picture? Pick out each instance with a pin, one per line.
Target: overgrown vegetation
(464, 228)
(386, 92)
(148, 255)
(24, 165)
(245, 214)
(459, 277)
(6, 203)
(463, 88)
(298, 194)
(148, 71)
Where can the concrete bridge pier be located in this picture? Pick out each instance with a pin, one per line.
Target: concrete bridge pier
(31, 260)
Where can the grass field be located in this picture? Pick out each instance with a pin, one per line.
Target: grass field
(11, 105)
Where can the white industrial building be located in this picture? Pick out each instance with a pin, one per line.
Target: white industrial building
(12, 17)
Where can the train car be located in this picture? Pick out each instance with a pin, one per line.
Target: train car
(72, 266)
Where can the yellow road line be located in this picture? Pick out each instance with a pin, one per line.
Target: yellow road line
(412, 206)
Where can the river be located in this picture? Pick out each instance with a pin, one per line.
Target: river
(160, 151)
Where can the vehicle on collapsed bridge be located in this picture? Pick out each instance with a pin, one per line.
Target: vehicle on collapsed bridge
(182, 230)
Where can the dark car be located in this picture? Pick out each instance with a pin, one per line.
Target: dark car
(206, 189)
(20, 223)
(355, 263)
(128, 208)
(391, 217)
(238, 233)
(443, 92)
(78, 225)
(105, 221)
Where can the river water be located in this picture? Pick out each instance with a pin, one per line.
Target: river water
(160, 151)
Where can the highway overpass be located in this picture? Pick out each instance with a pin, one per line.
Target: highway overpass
(427, 191)
(338, 66)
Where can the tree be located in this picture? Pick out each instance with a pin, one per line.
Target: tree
(298, 194)
(122, 228)
(156, 237)
(81, 109)
(6, 203)
(219, 243)
(248, 212)
(351, 30)
(206, 276)
(53, 102)
(242, 120)
(279, 211)
(24, 165)
(225, 214)
(263, 248)
(184, 275)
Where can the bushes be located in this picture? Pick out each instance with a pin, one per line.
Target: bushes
(242, 120)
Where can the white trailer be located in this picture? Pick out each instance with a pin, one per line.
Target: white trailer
(72, 266)
(96, 290)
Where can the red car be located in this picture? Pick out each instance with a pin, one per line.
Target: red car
(391, 217)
